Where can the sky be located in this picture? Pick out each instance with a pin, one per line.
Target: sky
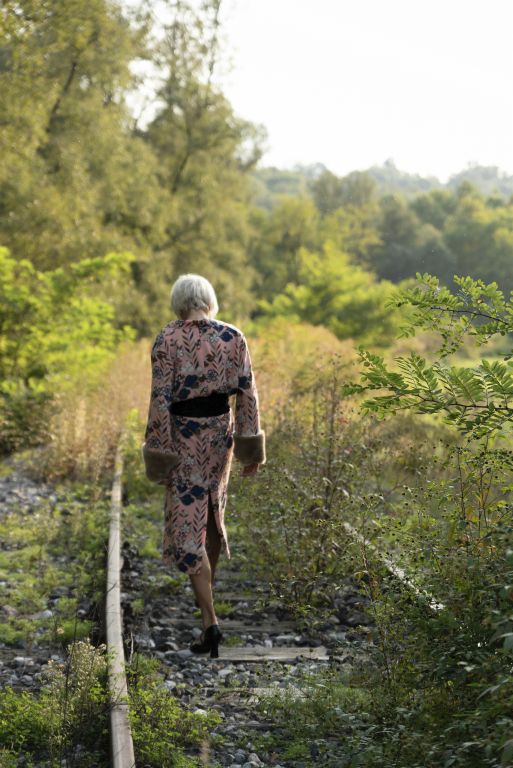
(352, 83)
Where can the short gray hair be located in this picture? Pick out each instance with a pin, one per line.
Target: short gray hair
(191, 293)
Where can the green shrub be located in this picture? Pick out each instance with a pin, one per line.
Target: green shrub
(55, 332)
(70, 710)
(31, 564)
(162, 728)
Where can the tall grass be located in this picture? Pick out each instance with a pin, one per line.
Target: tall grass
(88, 419)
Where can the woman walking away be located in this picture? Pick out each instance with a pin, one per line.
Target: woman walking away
(192, 435)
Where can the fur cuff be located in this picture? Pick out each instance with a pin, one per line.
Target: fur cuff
(250, 449)
(158, 464)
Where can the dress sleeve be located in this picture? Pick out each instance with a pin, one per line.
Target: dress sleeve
(249, 439)
(158, 454)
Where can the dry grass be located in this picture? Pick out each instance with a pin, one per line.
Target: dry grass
(89, 418)
(291, 359)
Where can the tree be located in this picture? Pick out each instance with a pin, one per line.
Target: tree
(432, 252)
(326, 192)
(354, 230)
(204, 154)
(488, 179)
(55, 332)
(80, 177)
(331, 192)
(345, 298)
(481, 238)
(277, 241)
(477, 400)
(396, 258)
(435, 207)
(74, 182)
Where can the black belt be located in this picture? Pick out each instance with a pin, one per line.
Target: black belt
(212, 405)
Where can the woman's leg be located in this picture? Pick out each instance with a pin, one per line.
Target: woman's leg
(202, 586)
(202, 582)
(213, 543)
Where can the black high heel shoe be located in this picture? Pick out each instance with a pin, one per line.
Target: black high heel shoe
(211, 638)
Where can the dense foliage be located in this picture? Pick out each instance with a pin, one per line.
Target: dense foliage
(83, 174)
(53, 329)
(347, 494)
(474, 399)
(80, 177)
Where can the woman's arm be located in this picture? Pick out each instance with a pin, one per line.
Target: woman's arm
(158, 454)
(249, 447)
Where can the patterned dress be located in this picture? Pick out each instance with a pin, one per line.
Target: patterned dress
(194, 358)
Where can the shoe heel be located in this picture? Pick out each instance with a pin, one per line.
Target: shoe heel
(215, 639)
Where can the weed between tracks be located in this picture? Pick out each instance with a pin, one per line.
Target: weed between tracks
(162, 727)
(52, 569)
(438, 686)
(66, 723)
(316, 716)
(52, 563)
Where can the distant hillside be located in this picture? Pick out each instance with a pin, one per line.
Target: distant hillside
(389, 178)
(271, 183)
(488, 180)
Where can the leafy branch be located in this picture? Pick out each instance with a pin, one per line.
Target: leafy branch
(474, 309)
(476, 400)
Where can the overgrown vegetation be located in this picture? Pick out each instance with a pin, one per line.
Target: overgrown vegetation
(433, 497)
(67, 721)
(162, 727)
(49, 603)
(56, 336)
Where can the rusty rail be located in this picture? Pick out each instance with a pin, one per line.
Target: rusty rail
(122, 748)
(391, 566)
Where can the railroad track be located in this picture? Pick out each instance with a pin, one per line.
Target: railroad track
(396, 571)
(21, 664)
(44, 602)
(122, 748)
(265, 648)
(273, 640)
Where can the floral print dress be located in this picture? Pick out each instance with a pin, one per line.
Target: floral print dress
(194, 358)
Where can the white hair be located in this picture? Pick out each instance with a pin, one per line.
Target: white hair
(192, 293)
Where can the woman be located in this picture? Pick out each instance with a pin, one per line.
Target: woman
(191, 435)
